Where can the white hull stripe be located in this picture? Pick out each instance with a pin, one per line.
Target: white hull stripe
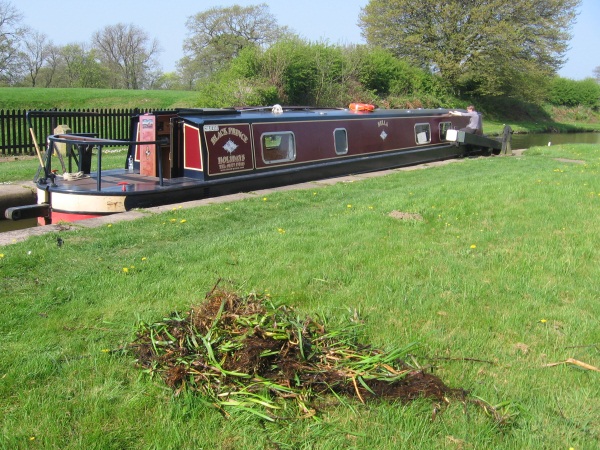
(88, 204)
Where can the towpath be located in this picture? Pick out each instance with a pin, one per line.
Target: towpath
(10, 193)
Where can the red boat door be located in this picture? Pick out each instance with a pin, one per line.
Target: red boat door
(148, 151)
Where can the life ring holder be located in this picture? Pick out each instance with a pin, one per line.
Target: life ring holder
(361, 107)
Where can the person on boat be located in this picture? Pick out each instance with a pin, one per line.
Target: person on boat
(474, 125)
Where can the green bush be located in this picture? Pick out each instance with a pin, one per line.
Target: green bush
(567, 92)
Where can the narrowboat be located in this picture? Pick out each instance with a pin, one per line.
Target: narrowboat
(188, 154)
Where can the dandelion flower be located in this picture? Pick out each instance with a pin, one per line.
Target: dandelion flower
(109, 225)
(182, 221)
(105, 350)
(281, 230)
(1, 255)
(173, 220)
(349, 206)
(265, 199)
(144, 258)
(473, 246)
(543, 321)
(125, 270)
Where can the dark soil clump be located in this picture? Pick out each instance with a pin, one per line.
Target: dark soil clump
(244, 351)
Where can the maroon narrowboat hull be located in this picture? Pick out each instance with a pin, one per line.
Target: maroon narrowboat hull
(186, 155)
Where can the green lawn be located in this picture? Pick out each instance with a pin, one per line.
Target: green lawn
(73, 98)
(498, 280)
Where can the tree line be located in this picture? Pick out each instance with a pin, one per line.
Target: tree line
(418, 53)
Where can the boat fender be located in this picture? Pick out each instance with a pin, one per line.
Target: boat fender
(361, 107)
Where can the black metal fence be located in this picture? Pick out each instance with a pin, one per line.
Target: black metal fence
(15, 133)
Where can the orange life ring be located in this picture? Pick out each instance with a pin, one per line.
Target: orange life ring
(361, 107)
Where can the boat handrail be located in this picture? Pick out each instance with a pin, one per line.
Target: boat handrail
(90, 140)
(82, 141)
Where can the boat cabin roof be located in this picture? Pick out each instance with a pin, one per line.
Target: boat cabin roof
(265, 114)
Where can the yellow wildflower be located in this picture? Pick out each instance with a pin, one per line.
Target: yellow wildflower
(473, 246)
(125, 270)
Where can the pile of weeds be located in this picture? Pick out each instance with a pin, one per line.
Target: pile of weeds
(246, 353)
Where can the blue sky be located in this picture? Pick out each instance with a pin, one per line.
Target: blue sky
(335, 21)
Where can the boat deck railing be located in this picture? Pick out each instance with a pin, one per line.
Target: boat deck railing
(84, 143)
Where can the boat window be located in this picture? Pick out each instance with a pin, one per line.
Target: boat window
(340, 137)
(422, 133)
(444, 127)
(278, 147)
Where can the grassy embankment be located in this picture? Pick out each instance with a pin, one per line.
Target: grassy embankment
(499, 279)
(523, 118)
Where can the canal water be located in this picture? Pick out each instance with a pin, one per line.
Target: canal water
(519, 141)
(10, 225)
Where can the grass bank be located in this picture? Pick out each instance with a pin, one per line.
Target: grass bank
(523, 118)
(49, 98)
(498, 280)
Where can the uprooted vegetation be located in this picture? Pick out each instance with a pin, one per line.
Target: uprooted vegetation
(245, 353)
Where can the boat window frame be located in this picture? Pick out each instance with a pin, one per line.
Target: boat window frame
(449, 126)
(335, 141)
(291, 151)
(427, 125)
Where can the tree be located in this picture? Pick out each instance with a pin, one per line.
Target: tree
(81, 67)
(490, 47)
(52, 64)
(10, 34)
(219, 34)
(34, 55)
(129, 54)
(597, 74)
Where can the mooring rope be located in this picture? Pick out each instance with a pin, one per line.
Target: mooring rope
(72, 176)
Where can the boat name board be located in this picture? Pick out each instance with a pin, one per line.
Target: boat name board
(225, 131)
(229, 148)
